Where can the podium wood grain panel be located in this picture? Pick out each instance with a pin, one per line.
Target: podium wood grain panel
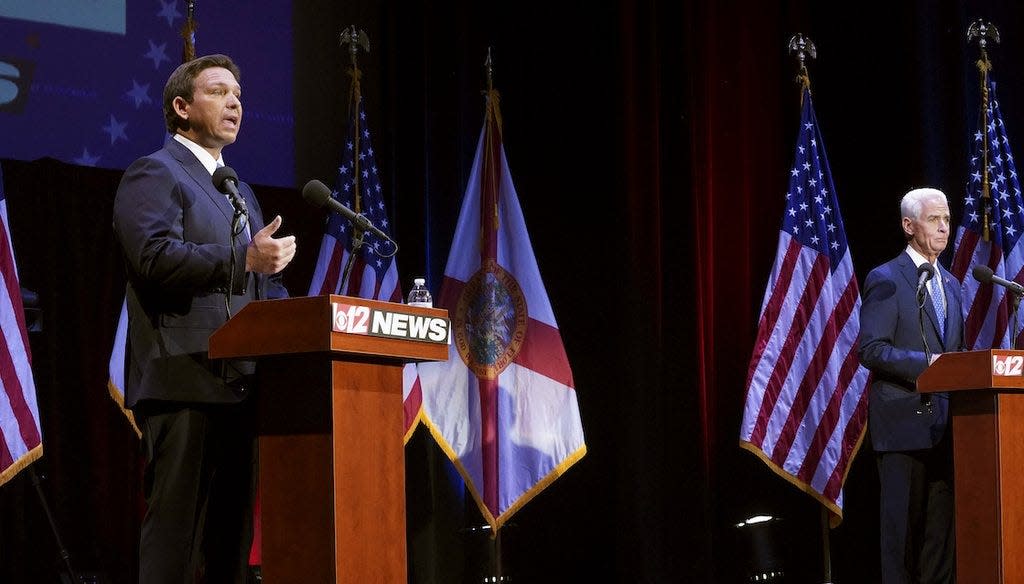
(1011, 485)
(332, 468)
(987, 407)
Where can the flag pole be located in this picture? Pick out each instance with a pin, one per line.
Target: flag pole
(354, 39)
(188, 34)
(983, 32)
(30, 300)
(802, 47)
(493, 110)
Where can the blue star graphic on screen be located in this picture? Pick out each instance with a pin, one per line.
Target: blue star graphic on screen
(139, 94)
(116, 130)
(169, 10)
(86, 159)
(158, 53)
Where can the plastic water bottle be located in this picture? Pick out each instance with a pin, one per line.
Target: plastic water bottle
(419, 295)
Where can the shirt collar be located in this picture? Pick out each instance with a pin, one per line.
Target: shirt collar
(920, 259)
(204, 157)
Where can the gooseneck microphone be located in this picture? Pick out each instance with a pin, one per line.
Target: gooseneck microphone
(925, 272)
(984, 274)
(317, 194)
(226, 180)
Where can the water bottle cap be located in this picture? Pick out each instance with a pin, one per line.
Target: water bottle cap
(419, 281)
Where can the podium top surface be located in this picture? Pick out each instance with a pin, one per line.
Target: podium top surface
(1000, 369)
(333, 324)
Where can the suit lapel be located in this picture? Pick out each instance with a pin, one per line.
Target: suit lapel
(910, 274)
(198, 173)
(195, 169)
(953, 310)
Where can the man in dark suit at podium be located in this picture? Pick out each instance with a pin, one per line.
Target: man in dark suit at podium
(909, 431)
(189, 264)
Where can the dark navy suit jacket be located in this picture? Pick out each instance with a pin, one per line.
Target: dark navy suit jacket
(892, 347)
(175, 231)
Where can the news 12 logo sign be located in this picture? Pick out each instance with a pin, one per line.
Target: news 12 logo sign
(1008, 365)
(356, 319)
(15, 80)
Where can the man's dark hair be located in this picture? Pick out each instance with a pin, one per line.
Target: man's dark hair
(182, 83)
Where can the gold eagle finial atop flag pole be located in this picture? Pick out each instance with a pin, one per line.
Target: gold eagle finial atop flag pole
(802, 47)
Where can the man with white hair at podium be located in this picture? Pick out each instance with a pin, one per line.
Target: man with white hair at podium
(911, 313)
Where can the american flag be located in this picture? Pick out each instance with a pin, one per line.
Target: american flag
(503, 407)
(985, 306)
(20, 436)
(806, 405)
(373, 272)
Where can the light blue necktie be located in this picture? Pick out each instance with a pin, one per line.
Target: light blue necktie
(940, 309)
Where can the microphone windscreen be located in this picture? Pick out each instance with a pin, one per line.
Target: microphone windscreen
(316, 193)
(982, 273)
(222, 174)
(926, 267)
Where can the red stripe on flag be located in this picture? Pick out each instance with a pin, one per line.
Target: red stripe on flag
(815, 369)
(851, 439)
(412, 403)
(490, 189)
(330, 283)
(772, 309)
(805, 308)
(396, 294)
(451, 290)
(6, 459)
(355, 277)
(964, 253)
(543, 352)
(830, 418)
(489, 441)
(10, 273)
(980, 306)
(16, 394)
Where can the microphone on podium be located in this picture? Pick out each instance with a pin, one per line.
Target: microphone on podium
(985, 275)
(925, 272)
(317, 194)
(226, 180)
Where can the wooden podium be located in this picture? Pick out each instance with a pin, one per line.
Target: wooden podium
(332, 466)
(986, 390)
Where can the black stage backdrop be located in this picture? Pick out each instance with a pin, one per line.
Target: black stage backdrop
(650, 143)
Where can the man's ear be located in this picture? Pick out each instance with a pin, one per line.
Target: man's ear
(908, 227)
(180, 107)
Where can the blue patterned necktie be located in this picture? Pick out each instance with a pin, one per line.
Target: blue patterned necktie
(940, 309)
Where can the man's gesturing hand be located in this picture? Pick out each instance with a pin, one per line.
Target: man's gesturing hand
(269, 255)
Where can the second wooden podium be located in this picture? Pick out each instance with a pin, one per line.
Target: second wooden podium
(987, 405)
(332, 467)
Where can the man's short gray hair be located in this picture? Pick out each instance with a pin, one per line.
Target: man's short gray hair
(914, 200)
